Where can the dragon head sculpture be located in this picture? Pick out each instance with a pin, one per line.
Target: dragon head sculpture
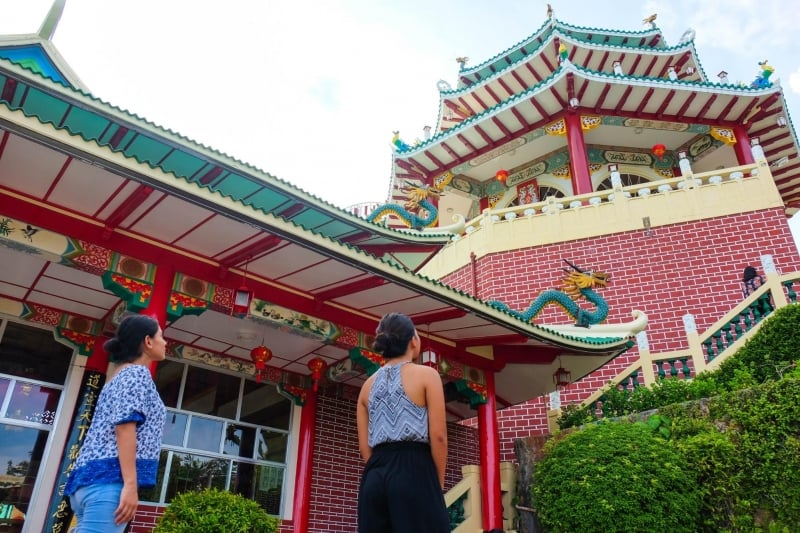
(577, 279)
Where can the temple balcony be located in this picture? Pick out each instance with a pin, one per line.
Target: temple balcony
(640, 207)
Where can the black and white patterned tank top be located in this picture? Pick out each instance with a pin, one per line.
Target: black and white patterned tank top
(393, 416)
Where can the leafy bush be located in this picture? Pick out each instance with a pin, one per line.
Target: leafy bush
(767, 356)
(215, 511)
(615, 477)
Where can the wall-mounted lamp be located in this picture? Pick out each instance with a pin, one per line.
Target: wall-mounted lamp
(574, 102)
(781, 121)
(647, 227)
(618, 68)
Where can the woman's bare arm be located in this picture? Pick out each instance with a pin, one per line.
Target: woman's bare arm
(437, 421)
(129, 498)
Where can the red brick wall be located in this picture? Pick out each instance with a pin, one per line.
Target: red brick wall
(693, 267)
(337, 470)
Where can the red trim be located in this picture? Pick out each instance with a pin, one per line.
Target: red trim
(519, 117)
(9, 88)
(452, 153)
(622, 101)
(686, 104)
(545, 115)
(497, 122)
(505, 86)
(546, 61)
(769, 142)
(433, 158)
(519, 80)
(533, 73)
(110, 199)
(133, 202)
(636, 63)
(742, 146)
(578, 158)
(603, 59)
(707, 105)
(599, 104)
(305, 463)
(489, 141)
(291, 211)
(350, 288)
(649, 69)
(491, 502)
(57, 179)
(645, 100)
(525, 354)
(493, 94)
(723, 116)
(193, 228)
(477, 99)
(665, 103)
(467, 106)
(499, 339)
(3, 141)
(438, 316)
(257, 249)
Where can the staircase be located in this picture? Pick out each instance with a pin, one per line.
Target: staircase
(464, 500)
(705, 351)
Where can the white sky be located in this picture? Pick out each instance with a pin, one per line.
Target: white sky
(311, 90)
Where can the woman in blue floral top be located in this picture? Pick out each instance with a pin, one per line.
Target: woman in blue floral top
(123, 443)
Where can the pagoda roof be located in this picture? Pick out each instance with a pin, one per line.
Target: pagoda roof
(468, 100)
(608, 95)
(650, 39)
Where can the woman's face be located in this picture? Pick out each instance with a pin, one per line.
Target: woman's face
(156, 346)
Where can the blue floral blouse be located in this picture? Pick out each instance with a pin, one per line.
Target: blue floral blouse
(130, 396)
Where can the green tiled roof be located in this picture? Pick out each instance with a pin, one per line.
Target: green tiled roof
(82, 114)
(544, 35)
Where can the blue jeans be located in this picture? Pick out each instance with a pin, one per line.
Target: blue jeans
(94, 507)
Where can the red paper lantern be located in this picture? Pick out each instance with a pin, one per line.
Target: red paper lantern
(316, 365)
(260, 355)
(659, 150)
(501, 175)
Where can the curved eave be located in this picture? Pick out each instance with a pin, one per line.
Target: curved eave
(96, 121)
(61, 71)
(536, 42)
(501, 83)
(610, 95)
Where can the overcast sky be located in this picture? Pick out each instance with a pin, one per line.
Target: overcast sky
(310, 91)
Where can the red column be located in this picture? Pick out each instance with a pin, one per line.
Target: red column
(578, 159)
(742, 146)
(98, 361)
(491, 501)
(162, 288)
(305, 460)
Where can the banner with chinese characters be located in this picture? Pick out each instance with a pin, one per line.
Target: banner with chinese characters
(60, 513)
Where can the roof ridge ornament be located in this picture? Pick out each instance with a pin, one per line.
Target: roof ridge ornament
(50, 23)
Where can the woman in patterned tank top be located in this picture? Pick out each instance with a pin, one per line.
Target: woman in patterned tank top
(402, 435)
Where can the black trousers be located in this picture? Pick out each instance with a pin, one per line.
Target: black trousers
(400, 491)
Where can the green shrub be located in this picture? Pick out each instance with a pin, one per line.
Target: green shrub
(767, 356)
(215, 511)
(615, 477)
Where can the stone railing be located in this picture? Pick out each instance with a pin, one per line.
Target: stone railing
(464, 499)
(706, 350)
(642, 207)
(553, 205)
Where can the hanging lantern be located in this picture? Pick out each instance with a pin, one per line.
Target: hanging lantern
(562, 377)
(659, 150)
(241, 302)
(430, 358)
(501, 175)
(260, 355)
(316, 365)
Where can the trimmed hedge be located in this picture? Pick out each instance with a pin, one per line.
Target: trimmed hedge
(215, 511)
(615, 477)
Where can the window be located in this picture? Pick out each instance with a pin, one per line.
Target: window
(33, 367)
(626, 179)
(222, 431)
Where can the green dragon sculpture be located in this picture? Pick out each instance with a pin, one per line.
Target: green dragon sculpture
(417, 200)
(577, 284)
